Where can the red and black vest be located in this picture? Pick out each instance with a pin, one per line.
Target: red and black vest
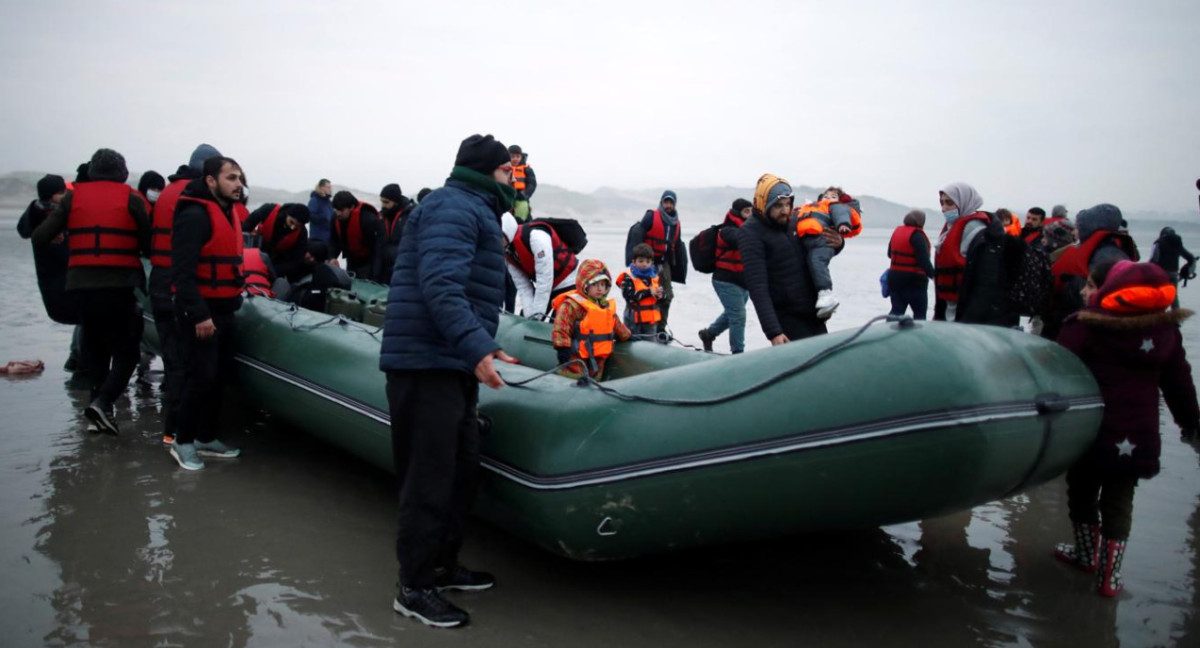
(164, 215)
(521, 255)
(656, 236)
(219, 269)
(256, 273)
(266, 230)
(727, 257)
(393, 228)
(900, 249)
(518, 177)
(1074, 261)
(949, 262)
(102, 232)
(350, 233)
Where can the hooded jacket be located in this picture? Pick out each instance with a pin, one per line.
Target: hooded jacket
(569, 312)
(320, 220)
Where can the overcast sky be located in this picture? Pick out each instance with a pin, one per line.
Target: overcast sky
(1032, 102)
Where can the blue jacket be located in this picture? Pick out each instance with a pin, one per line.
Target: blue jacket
(448, 283)
(320, 216)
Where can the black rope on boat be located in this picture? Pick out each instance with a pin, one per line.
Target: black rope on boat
(804, 366)
(335, 319)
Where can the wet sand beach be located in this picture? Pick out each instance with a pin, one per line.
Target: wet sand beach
(106, 542)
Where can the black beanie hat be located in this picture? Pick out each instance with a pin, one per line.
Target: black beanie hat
(740, 204)
(392, 192)
(109, 165)
(344, 200)
(298, 211)
(515, 149)
(81, 173)
(318, 250)
(151, 180)
(425, 191)
(50, 185)
(482, 153)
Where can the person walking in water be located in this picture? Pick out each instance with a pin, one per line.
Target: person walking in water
(727, 282)
(438, 344)
(911, 268)
(320, 210)
(1168, 248)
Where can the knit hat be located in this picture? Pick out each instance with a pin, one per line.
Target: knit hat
(392, 192)
(202, 153)
(482, 153)
(81, 173)
(344, 200)
(1102, 217)
(50, 185)
(1135, 289)
(151, 180)
(769, 189)
(425, 191)
(318, 250)
(1058, 212)
(739, 205)
(508, 224)
(1059, 234)
(515, 149)
(299, 211)
(109, 165)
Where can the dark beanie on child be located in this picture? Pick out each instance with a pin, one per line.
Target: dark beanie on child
(344, 200)
(740, 204)
(151, 180)
(482, 153)
(109, 165)
(392, 192)
(50, 185)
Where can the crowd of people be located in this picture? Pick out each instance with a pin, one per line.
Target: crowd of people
(454, 257)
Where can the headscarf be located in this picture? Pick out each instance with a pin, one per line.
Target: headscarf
(965, 197)
(915, 218)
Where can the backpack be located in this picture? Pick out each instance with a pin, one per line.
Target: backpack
(703, 249)
(569, 231)
(1030, 290)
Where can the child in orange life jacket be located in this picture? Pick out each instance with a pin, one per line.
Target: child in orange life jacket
(835, 209)
(586, 323)
(640, 287)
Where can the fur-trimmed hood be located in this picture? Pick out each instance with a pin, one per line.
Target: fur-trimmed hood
(1102, 319)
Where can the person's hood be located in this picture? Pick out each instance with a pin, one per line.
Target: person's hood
(1102, 217)
(199, 155)
(589, 270)
(1133, 289)
(184, 172)
(769, 189)
(671, 217)
(965, 197)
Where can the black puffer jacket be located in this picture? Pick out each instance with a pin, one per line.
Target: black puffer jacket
(775, 271)
(993, 262)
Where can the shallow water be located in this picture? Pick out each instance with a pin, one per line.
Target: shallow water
(105, 542)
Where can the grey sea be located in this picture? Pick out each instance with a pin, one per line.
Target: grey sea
(106, 542)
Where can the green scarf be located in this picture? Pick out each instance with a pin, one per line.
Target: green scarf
(504, 193)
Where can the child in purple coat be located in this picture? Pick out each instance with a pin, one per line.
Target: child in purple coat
(1132, 344)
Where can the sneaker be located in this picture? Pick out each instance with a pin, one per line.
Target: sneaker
(706, 339)
(428, 607)
(185, 454)
(168, 438)
(97, 414)
(826, 304)
(461, 578)
(216, 448)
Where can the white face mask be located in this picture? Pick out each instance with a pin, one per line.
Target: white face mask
(152, 195)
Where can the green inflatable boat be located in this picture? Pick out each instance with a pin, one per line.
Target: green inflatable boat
(680, 448)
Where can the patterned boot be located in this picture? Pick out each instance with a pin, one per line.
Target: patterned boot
(1085, 553)
(1111, 553)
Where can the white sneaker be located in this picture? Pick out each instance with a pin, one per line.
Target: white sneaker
(826, 304)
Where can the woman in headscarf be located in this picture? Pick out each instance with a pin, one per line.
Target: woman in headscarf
(911, 268)
(960, 205)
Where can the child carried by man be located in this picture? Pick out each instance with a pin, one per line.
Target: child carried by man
(837, 210)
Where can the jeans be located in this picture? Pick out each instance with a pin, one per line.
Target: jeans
(733, 298)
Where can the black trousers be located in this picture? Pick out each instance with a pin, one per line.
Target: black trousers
(173, 369)
(798, 327)
(909, 289)
(435, 446)
(112, 332)
(207, 368)
(1096, 496)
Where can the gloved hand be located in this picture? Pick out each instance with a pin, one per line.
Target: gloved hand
(564, 355)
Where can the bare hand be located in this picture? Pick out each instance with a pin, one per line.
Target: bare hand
(334, 263)
(62, 236)
(832, 238)
(843, 229)
(485, 371)
(780, 339)
(658, 292)
(205, 329)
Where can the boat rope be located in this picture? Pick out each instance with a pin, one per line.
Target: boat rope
(587, 380)
(339, 320)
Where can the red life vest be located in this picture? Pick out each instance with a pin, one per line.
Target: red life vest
(1033, 236)
(101, 231)
(395, 226)
(1075, 259)
(950, 262)
(266, 230)
(656, 236)
(645, 311)
(164, 215)
(592, 336)
(518, 177)
(350, 233)
(219, 268)
(726, 256)
(520, 254)
(902, 252)
(256, 273)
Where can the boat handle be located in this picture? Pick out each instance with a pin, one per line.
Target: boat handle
(1052, 404)
(606, 527)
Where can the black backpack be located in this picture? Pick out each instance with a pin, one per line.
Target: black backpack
(703, 249)
(569, 231)
(1030, 290)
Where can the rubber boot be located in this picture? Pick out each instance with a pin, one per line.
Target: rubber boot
(1109, 579)
(1085, 553)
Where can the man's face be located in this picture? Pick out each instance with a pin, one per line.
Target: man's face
(291, 223)
(642, 263)
(780, 211)
(342, 214)
(326, 189)
(747, 211)
(387, 204)
(57, 198)
(1033, 220)
(515, 157)
(227, 186)
(503, 174)
(669, 205)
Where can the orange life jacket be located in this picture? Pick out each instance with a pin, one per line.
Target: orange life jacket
(521, 255)
(1075, 259)
(808, 225)
(266, 230)
(1013, 228)
(256, 273)
(101, 231)
(949, 262)
(645, 311)
(219, 268)
(518, 177)
(164, 216)
(902, 252)
(656, 237)
(727, 257)
(350, 233)
(592, 336)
